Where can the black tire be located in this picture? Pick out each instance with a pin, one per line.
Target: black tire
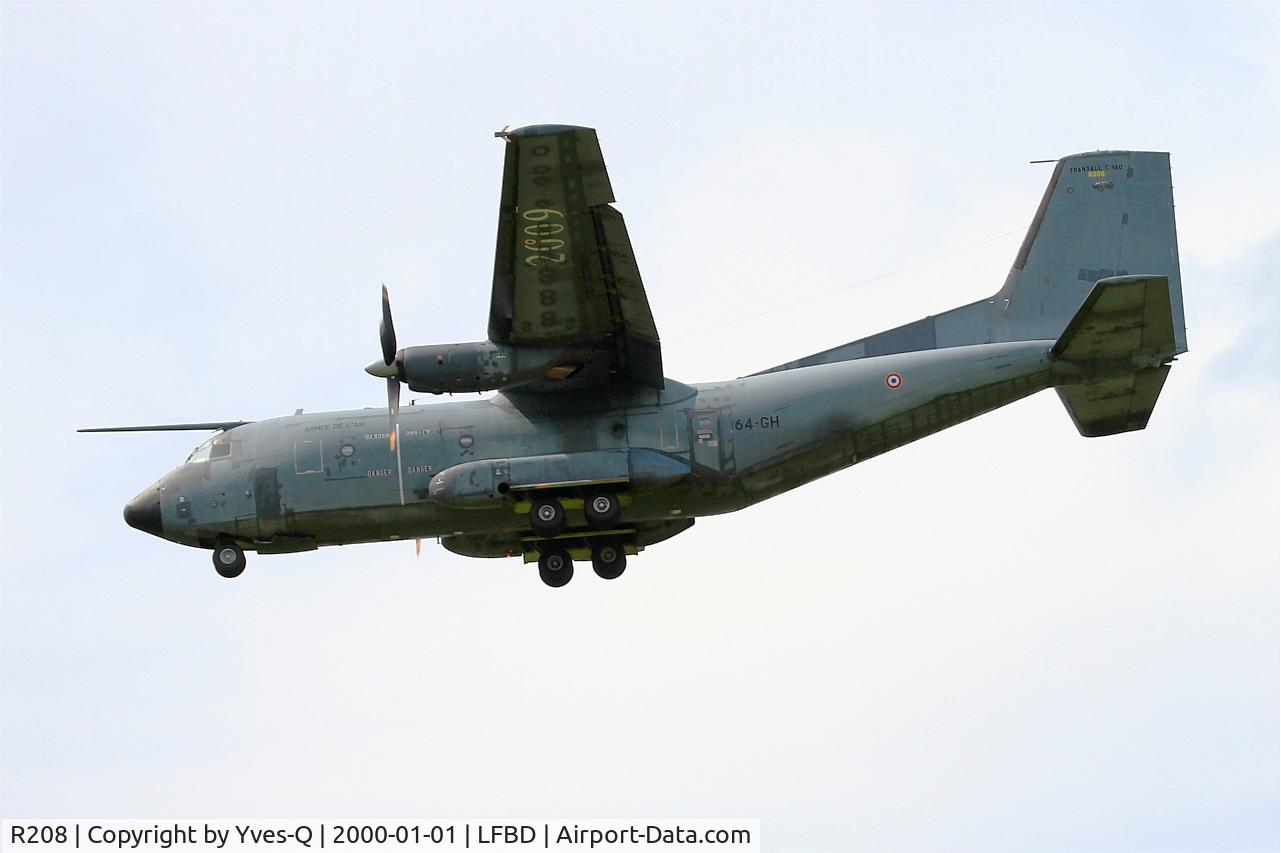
(608, 560)
(547, 517)
(555, 567)
(229, 559)
(602, 510)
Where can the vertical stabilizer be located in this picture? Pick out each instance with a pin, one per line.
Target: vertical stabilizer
(1103, 214)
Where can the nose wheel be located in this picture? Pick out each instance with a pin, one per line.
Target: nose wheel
(228, 559)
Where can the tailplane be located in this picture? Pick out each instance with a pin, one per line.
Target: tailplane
(1122, 403)
(1113, 357)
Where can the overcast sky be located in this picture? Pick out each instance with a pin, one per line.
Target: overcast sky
(1002, 637)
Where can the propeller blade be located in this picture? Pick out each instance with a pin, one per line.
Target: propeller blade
(387, 331)
(393, 410)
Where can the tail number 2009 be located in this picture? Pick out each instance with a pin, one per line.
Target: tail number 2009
(540, 241)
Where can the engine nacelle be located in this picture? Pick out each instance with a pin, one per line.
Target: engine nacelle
(477, 366)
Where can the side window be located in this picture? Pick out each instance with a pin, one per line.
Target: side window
(307, 457)
(218, 447)
(223, 449)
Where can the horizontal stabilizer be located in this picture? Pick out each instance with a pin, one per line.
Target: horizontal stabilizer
(1121, 341)
(168, 427)
(1117, 404)
(1124, 319)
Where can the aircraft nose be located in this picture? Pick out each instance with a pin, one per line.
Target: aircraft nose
(143, 513)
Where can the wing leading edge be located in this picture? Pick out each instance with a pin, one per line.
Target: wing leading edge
(204, 426)
(564, 272)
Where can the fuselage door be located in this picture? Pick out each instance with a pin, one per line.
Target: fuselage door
(230, 494)
(707, 438)
(266, 496)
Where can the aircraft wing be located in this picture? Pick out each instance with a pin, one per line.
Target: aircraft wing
(564, 273)
(211, 425)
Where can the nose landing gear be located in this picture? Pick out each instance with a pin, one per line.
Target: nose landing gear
(228, 558)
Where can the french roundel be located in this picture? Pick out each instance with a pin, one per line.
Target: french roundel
(893, 381)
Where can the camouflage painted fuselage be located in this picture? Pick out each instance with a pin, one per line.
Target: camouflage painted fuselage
(298, 482)
(1092, 306)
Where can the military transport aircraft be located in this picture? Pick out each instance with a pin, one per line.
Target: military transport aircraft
(588, 452)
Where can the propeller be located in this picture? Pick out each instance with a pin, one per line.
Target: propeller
(387, 337)
(387, 331)
(393, 411)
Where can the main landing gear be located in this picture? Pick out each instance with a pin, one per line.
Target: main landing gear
(547, 520)
(547, 517)
(228, 558)
(600, 509)
(556, 566)
(608, 560)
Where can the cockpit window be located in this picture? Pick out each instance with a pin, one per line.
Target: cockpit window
(217, 447)
(200, 454)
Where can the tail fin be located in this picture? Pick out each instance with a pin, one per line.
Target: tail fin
(1104, 214)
